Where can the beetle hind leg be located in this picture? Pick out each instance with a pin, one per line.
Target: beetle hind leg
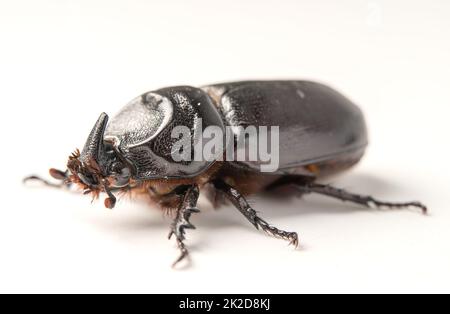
(305, 187)
(243, 206)
(364, 200)
(187, 207)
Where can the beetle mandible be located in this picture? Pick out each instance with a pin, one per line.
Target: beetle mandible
(321, 133)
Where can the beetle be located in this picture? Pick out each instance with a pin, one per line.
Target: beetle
(321, 133)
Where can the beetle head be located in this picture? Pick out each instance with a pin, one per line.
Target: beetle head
(99, 167)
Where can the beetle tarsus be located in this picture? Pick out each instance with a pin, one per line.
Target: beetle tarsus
(183, 252)
(242, 205)
(367, 201)
(182, 222)
(292, 237)
(56, 174)
(37, 178)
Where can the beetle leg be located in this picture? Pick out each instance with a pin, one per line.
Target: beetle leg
(305, 186)
(367, 201)
(238, 200)
(181, 222)
(63, 176)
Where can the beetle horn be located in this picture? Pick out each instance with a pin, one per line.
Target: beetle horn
(94, 149)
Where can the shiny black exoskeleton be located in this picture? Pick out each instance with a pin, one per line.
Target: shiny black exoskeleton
(321, 133)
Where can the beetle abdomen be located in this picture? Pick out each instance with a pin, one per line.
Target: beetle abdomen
(316, 123)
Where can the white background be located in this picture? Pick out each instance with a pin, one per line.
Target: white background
(64, 62)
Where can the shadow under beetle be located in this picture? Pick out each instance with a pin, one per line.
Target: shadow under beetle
(321, 133)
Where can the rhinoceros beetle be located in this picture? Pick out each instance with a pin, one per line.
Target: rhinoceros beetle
(321, 133)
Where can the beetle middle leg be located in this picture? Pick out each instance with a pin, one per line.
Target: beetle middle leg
(238, 200)
(306, 187)
(187, 207)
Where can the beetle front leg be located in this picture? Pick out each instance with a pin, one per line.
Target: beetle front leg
(63, 176)
(238, 200)
(181, 222)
